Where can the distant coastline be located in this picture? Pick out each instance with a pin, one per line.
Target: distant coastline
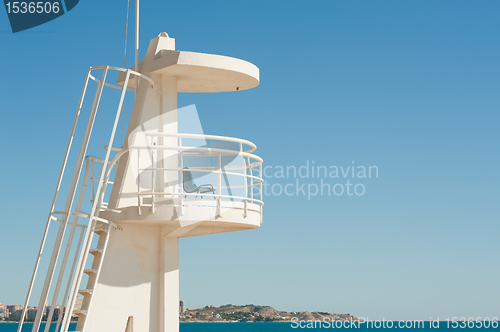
(229, 313)
(252, 314)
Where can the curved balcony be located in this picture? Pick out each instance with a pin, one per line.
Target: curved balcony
(183, 180)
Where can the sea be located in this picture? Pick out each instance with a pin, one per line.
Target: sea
(278, 327)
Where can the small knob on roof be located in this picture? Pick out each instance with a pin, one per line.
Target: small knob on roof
(163, 34)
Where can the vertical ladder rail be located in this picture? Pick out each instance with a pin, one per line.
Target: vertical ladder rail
(68, 249)
(54, 199)
(69, 203)
(78, 275)
(65, 297)
(92, 177)
(83, 256)
(96, 207)
(136, 67)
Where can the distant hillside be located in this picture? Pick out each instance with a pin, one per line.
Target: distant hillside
(253, 313)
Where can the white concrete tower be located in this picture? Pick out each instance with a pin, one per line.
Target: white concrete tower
(166, 185)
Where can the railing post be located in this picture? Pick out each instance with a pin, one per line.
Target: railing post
(181, 167)
(139, 210)
(251, 179)
(153, 170)
(246, 185)
(260, 190)
(260, 184)
(219, 213)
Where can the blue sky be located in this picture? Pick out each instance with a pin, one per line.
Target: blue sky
(410, 87)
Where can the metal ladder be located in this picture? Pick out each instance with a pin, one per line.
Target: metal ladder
(103, 231)
(102, 228)
(68, 217)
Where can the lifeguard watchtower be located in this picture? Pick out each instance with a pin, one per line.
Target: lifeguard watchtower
(161, 185)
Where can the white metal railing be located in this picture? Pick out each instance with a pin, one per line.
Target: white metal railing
(237, 173)
(242, 173)
(91, 161)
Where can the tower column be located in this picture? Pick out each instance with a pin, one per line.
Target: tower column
(167, 90)
(169, 284)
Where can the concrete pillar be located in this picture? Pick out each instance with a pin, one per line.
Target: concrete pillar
(167, 89)
(169, 282)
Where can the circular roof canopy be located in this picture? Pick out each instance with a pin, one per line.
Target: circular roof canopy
(200, 72)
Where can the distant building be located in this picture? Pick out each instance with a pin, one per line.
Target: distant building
(57, 311)
(55, 315)
(31, 313)
(181, 306)
(4, 313)
(15, 311)
(15, 307)
(3, 306)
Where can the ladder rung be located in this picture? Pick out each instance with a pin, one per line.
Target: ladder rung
(100, 229)
(111, 210)
(86, 291)
(80, 312)
(96, 250)
(90, 271)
